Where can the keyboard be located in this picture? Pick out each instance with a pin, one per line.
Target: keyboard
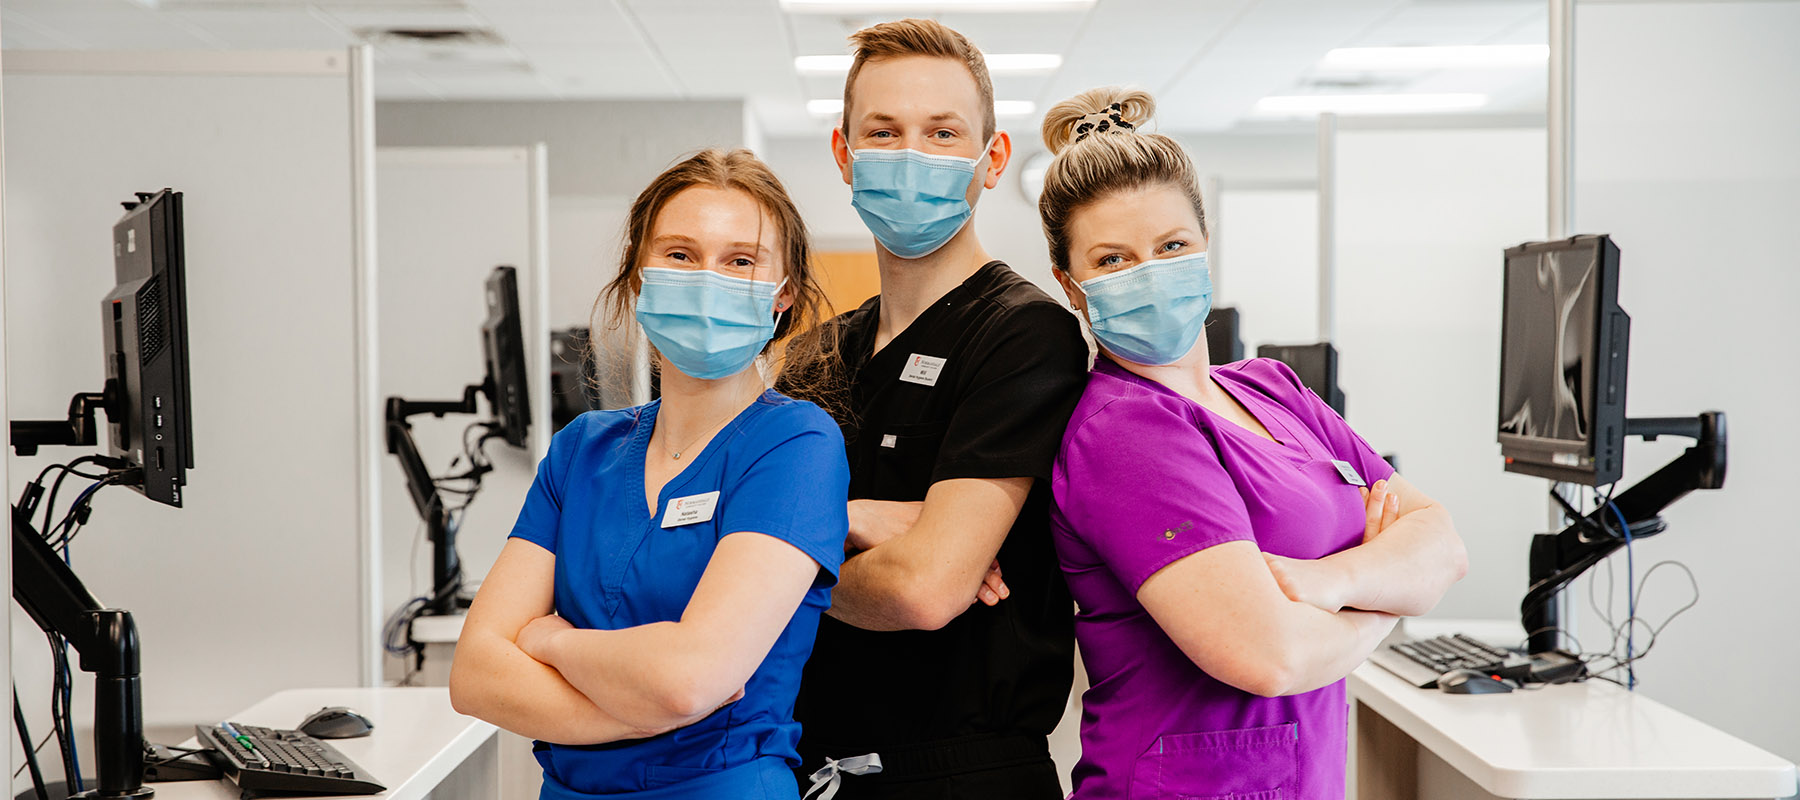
(282, 762)
(1421, 661)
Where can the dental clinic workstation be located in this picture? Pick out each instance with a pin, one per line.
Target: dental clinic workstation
(288, 326)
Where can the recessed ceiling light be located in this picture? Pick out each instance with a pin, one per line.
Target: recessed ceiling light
(928, 6)
(1426, 58)
(1312, 104)
(999, 63)
(1002, 108)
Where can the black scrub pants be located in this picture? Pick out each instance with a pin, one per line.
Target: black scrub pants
(1017, 768)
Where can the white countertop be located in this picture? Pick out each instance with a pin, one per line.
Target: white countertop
(1584, 740)
(444, 629)
(418, 738)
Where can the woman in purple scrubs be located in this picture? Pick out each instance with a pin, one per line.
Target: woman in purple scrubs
(1230, 565)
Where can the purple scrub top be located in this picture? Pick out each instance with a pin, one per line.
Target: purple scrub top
(1147, 477)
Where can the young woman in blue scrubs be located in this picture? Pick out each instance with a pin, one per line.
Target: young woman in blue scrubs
(649, 618)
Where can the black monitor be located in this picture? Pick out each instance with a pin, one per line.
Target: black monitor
(144, 320)
(503, 347)
(1315, 364)
(1223, 344)
(572, 391)
(1563, 347)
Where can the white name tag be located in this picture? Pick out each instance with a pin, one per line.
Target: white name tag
(691, 509)
(1349, 473)
(922, 370)
(889, 440)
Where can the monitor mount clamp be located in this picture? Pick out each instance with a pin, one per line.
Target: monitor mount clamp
(1558, 558)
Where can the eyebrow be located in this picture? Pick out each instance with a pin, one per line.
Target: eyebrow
(754, 247)
(1167, 235)
(876, 116)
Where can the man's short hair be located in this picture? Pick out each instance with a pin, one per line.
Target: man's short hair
(921, 37)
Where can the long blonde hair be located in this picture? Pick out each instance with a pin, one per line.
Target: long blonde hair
(1101, 149)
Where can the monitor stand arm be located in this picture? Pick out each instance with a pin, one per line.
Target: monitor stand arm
(1558, 558)
(106, 638)
(79, 430)
(446, 567)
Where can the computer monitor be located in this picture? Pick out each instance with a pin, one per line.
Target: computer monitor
(1315, 364)
(144, 320)
(1563, 347)
(1223, 345)
(503, 346)
(572, 390)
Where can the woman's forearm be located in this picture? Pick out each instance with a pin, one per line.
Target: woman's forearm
(1407, 568)
(653, 676)
(493, 680)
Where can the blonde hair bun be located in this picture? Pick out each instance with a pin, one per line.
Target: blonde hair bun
(1135, 107)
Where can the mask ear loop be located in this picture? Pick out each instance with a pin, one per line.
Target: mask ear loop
(778, 288)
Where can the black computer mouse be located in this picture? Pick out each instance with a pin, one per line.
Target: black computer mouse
(1471, 681)
(336, 722)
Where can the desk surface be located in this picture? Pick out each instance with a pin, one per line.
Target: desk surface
(418, 738)
(437, 629)
(1582, 740)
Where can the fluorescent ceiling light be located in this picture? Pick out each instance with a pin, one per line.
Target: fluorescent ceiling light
(928, 6)
(1427, 58)
(1311, 104)
(1002, 108)
(1007, 63)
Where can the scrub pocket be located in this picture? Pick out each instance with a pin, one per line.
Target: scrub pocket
(906, 454)
(1243, 764)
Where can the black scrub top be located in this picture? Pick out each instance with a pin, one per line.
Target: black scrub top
(1013, 365)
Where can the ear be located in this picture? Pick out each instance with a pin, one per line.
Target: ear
(840, 150)
(1077, 299)
(784, 299)
(999, 155)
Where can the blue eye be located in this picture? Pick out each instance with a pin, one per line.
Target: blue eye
(880, 135)
(1112, 260)
(1170, 247)
(945, 135)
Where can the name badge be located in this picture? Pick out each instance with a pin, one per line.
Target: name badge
(922, 370)
(691, 509)
(1349, 473)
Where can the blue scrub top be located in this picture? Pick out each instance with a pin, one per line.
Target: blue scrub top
(779, 470)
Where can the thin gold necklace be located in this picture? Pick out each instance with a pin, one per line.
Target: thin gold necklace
(676, 454)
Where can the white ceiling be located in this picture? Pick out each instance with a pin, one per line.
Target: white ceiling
(1207, 61)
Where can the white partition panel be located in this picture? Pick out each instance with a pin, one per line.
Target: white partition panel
(449, 216)
(1422, 219)
(1687, 151)
(254, 585)
(1266, 245)
(6, 739)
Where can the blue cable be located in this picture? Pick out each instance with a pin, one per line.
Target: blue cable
(1630, 598)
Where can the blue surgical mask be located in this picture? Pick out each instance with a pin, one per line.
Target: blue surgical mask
(708, 325)
(1151, 313)
(913, 202)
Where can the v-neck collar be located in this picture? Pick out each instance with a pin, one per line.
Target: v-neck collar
(1285, 440)
(640, 452)
(926, 319)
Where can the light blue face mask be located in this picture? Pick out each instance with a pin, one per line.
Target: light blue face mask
(1151, 313)
(913, 202)
(710, 326)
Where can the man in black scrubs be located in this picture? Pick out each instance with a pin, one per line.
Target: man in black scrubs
(961, 378)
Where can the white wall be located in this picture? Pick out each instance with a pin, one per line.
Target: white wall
(1422, 219)
(1686, 128)
(254, 585)
(448, 217)
(6, 739)
(1265, 257)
